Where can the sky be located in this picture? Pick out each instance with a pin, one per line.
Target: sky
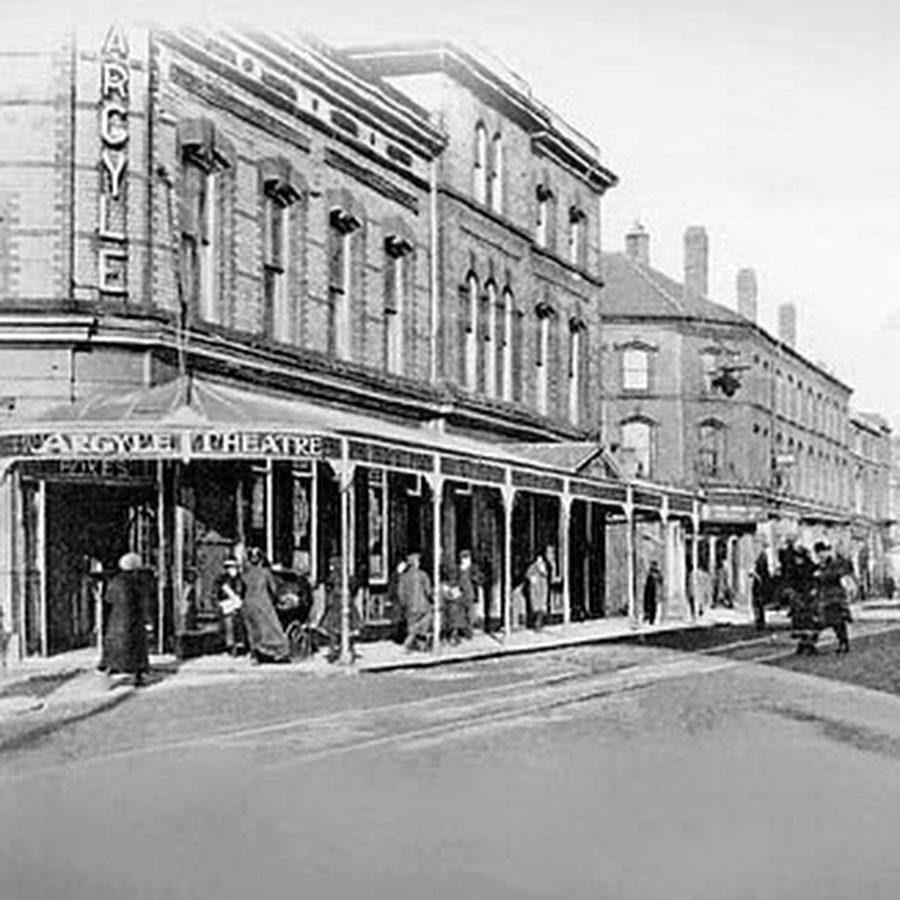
(772, 124)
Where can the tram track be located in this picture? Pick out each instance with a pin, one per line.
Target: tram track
(779, 644)
(310, 738)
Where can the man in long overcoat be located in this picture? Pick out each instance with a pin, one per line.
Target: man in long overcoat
(831, 595)
(761, 589)
(652, 592)
(416, 597)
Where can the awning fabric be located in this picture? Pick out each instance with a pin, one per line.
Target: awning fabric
(208, 419)
(207, 404)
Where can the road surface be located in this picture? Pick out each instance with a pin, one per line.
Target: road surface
(617, 771)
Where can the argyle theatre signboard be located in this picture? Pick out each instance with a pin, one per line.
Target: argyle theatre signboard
(189, 444)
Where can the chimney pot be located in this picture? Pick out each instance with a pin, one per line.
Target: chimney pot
(696, 261)
(637, 244)
(747, 293)
(787, 324)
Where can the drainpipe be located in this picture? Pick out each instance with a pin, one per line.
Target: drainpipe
(345, 481)
(149, 125)
(434, 250)
(73, 187)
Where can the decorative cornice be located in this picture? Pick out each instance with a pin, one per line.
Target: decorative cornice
(371, 179)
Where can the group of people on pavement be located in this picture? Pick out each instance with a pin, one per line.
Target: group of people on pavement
(413, 599)
(817, 589)
(249, 598)
(247, 594)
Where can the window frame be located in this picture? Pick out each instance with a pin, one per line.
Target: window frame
(633, 352)
(507, 350)
(480, 173)
(716, 449)
(490, 339)
(470, 341)
(577, 334)
(343, 230)
(649, 428)
(543, 224)
(398, 262)
(496, 181)
(545, 314)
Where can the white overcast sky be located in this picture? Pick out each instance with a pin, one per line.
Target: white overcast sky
(772, 123)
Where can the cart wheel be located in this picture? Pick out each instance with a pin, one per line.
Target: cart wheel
(300, 640)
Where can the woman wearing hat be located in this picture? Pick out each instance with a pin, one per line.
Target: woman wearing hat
(125, 641)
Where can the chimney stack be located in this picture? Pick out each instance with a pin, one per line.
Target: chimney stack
(637, 244)
(696, 261)
(746, 294)
(787, 324)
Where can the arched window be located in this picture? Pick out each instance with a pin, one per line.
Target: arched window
(545, 316)
(577, 331)
(468, 328)
(637, 440)
(508, 346)
(497, 173)
(490, 340)
(480, 182)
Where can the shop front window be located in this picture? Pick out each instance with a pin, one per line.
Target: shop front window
(376, 539)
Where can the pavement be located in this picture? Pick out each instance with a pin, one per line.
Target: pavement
(69, 685)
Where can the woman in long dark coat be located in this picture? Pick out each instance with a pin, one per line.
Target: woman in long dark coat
(125, 639)
(268, 642)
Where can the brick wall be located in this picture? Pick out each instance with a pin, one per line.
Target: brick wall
(499, 245)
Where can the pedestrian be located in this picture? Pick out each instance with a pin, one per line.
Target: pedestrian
(831, 593)
(127, 599)
(701, 588)
(722, 595)
(456, 622)
(230, 591)
(417, 601)
(331, 624)
(469, 580)
(266, 637)
(537, 591)
(397, 612)
(761, 589)
(652, 592)
(795, 567)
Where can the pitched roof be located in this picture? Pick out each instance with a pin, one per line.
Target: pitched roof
(582, 457)
(633, 289)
